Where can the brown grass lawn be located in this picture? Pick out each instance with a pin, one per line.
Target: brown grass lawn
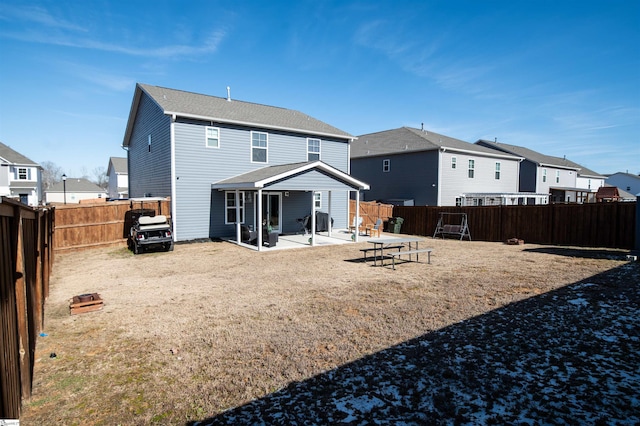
(185, 335)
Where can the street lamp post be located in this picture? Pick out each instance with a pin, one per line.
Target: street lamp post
(64, 187)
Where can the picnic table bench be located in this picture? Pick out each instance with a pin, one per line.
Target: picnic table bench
(417, 252)
(400, 243)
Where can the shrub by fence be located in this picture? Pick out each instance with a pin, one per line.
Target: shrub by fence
(609, 225)
(26, 239)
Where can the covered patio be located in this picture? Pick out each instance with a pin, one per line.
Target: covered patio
(296, 187)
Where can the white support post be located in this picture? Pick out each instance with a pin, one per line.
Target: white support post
(259, 214)
(313, 218)
(357, 216)
(238, 231)
(330, 227)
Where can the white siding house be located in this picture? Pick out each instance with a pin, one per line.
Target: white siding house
(20, 178)
(564, 180)
(74, 190)
(118, 175)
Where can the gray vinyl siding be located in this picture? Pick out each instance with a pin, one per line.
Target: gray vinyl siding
(567, 179)
(457, 181)
(150, 172)
(201, 211)
(411, 176)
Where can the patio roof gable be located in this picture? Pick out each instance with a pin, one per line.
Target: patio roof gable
(314, 175)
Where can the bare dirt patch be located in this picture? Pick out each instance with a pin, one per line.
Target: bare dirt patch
(188, 334)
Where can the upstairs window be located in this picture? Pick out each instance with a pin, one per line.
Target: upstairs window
(472, 166)
(544, 175)
(454, 162)
(259, 143)
(230, 207)
(497, 171)
(313, 149)
(557, 176)
(386, 165)
(213, 137)
(23, 174)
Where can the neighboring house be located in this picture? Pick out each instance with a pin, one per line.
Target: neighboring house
(20, 178)
(73, 190)
(564, 180)
(427, 168)
(226, 162)
(118, 175)
(626, 182)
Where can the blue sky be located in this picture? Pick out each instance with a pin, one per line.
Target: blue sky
(560, 77)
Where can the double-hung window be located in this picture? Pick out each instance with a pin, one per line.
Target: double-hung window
(544, 175)
(313, 149)
(557, 176)
(497, 171)
(230, 207)
(22, 173)
(259, 142)
(472, 167)
(386, 165)
(454, 161)
(213, 137)
(317, 199)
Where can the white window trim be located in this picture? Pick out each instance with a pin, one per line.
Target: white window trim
(206, 137)
(266, 148)
(386, 165)
(454, 162)
(544, 175)
(26, 173)
(312, 152)
(317, 199)
(557, 176)
(498, 171)
(227, 208)
(471, 173)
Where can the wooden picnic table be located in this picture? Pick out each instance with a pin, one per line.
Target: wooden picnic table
(383, 244)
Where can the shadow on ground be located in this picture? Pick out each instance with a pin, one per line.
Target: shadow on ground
(569, 356)
(585, 253)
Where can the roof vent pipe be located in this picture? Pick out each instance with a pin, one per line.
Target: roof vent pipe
(422, 128)
(228, 93)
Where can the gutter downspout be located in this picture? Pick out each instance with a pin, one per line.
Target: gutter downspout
(174, 179)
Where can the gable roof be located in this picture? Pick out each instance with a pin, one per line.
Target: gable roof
(119, 165)
(540, 159)
(75, 185)
(265, 176)
(212, 108)
(407, 139)
(8, 155)
(627, 175)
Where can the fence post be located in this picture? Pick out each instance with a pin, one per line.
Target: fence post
(637, 240)
(21, 308)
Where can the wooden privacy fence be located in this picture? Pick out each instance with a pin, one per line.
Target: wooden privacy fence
(370, 211)
(26, 258)
(98, 225)
(609, 225)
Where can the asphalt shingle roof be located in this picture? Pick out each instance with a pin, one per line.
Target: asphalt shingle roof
(75, 185)
(119, 164)
(407, 139)
(234, 111)
(539, 158)
(13, 156)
